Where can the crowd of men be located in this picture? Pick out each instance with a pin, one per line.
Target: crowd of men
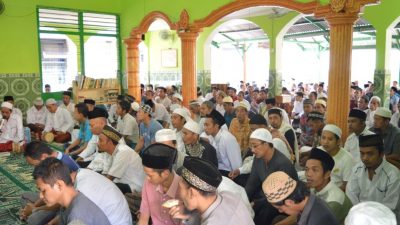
(229, 157)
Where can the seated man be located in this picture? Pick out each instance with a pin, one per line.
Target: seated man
(56, 188)
(11, 129)
(178, 119)
(318, 173)
(67, 104)
(90, 103)
(10, 99)
(127, 124)
(58, 121)
(294, 199)
(147, 128)
(370, 213)
(36, 117)
(161, 185)
(374, 179)
(199, 192)
(34, 210)
(240, 126)
(80, 144)
(126, 165)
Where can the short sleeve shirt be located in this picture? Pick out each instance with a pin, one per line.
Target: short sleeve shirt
(85, 134)
(149, 133)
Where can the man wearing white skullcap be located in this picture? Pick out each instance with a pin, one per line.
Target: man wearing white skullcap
(331, 143)
(390, 134)
(178, 119)
(11, 129)
(196, 146)
(36, 117)
(266, 161)
(10, 99)
(58, 121)
(370, 213)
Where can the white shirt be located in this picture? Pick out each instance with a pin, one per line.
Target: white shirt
(180, 146)
(220, 108)
(229, 186)
(370, 118)
(128, 126)
(331, 193)
(160, 113)
(395, 119)
(105, 194)
(101, 162)
(112, 113)
(341, 172)
(352, 144)
(298, 107)
(34, 116)
(127, 167)
(91, 149)
(383, 188)
(228, 150)
(61, 120)
(17, 111)
(12, 129)
(166, 102)
(247, 165)
(70, 107)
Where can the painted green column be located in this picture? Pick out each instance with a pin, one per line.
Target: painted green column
(275, 74)
(382, 74)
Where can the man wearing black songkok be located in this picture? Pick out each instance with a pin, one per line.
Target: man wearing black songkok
(198, 188)
(228, 149)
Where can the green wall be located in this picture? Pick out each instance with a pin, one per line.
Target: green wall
(156, 44)
(18, 39)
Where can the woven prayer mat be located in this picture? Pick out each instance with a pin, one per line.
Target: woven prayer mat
(15, 179)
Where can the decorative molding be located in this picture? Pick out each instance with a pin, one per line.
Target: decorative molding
(149, 19)
(337, 5)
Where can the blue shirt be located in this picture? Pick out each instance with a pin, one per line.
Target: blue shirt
(149, 133)
(85, 134)
(67, 160)
(228, 118)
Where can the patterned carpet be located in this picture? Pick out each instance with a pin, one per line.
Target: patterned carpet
(15, 179)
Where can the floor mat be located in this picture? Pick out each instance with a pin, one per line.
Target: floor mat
(15, 179)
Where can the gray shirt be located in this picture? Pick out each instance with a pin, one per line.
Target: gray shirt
(83, 210)
(391, 139)
(316, 212)
(227, 203)
(260, 171)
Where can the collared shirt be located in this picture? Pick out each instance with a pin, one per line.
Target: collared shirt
(336, 199)
(85, 134)
(226, 202)
(12, 129)
(228, 150)
(128, 126)
(391, 139)
(370, 118)
(220, 108)
(316, 212)
(298, 107)
(383, 188)
(153, 197)
(160, 113)
(17, 112)
(242, 132)
(352, 144)
(341, 172)
(149, 132)
(127, 167)
(61, 120)
(394, 100)
(90, 151)
(166, 102)
(112, 113)
(34, 116)
(105, 195)
(395, 119)
(70, 107)
(230, 186)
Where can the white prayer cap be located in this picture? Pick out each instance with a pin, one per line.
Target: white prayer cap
(321, 101)
(243, 104)
(182, 112)
(51, 101)
(334, 129)
(135, 106)
(38, 101)
(262, 134)
(7, 105)
(281, 146)
(165, 135)
(383, 112)
(192, 126)
(370, 213)
(178, 96)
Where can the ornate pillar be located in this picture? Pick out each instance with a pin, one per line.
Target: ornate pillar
(189, 76)
(341, 41)
(132, 66)
(275, 74)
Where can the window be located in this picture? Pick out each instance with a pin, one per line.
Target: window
(76, 43)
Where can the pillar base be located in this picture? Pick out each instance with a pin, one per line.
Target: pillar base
(382, 86)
